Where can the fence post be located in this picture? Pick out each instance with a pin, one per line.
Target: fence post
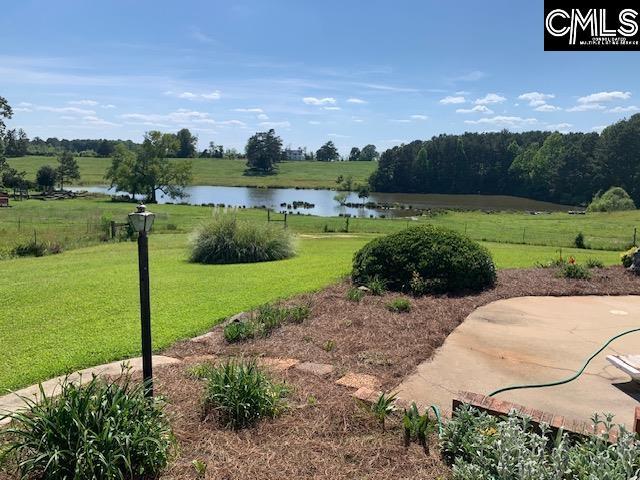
(347, 225)
(268, 215)
(524, 230)
(285, 220)
(113, 229)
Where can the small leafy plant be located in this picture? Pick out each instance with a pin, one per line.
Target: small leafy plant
(31, 248)
(200, 467)
(240, 394)
(384, 407)
(417, 427)
(354, 294)
(594, 263)
(103, 429)
(627, 257)
(377, 286)
(399, 305)
(265, 319)
(579, 241)
(329, 346)
(575, 272)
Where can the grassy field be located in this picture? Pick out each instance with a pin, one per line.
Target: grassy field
(79, 222)
(211, 171)
(80, 308)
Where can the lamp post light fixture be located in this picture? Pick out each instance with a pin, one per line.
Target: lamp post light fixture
(142, 221)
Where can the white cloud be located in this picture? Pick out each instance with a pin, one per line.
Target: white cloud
(67, 117)
(22, 109)
(419, 117)
(283, 124)
(452, 100)
(560, 127)
(536, 99)
(630, 108)
(263, 116)
(249, 110)
(108, 106)
(476, 109)
(86, 103)
(355, 119)
(331, 108)
(489, 99)
(503, 121)
(337, 135)
(319, 101)
(314, 122)
(605, 97)
(599, 128)
(473, 76)
(400, 120)
(25, 104)
(358, 101)
(180, 117)
(98, 122)
(585, 107)
(545, 107)
(215, 95)
(76, 110)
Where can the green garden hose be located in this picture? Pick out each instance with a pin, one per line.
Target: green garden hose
(436, 411)
(569, 379)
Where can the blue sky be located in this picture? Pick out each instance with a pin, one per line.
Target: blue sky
(354, 72)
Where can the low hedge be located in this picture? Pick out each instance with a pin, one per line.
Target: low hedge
(425, 259)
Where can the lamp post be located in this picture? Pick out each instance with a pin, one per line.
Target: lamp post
(142, 221)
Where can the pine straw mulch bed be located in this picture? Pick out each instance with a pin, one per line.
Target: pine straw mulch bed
(325, 434)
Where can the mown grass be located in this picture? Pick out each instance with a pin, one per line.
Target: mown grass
(230, 173)
(80, 308)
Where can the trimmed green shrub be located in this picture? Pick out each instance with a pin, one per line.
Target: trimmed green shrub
(575, 271)
(614, 199)
(399, 305)
(483, 447)
(239, 394)
(424, 259)
(225, 239)
(579, 241)
(104, 429)
(627, 257)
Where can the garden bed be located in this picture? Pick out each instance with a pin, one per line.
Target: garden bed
(367, 338)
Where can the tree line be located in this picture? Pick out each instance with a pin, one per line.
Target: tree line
(565, 168)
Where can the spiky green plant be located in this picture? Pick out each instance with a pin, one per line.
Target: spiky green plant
(377, 286)
(417, 427)
(103, 429)
(354, 294)
(239, 394)
(384, 407)
(399, 305)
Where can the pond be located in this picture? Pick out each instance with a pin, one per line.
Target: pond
(323, 203)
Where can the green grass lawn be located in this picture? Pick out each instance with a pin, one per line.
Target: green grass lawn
(63, 312)
(230, 173)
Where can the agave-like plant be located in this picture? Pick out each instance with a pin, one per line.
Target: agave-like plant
(384, 407)
(417, 427)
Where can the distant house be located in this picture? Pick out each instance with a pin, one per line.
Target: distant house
(4, 199)
(294, 155)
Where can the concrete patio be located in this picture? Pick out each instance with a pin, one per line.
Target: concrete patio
(536, 340)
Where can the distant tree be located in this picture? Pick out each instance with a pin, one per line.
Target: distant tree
(105, 149)
(12, 178)
(5, 112)
(369, 153)
(231, 153)
(187, 144)
(150, 170)
(16, 143)
(354, 155)
(363, 193)
(68, 168)
(46, 178)
(263, 150)
(327, 153)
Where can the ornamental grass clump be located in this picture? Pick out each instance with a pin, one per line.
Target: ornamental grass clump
(226, 239)
(103, 429)
(239, 394)
(264, 320)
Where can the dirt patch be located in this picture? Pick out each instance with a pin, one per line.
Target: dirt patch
(370, 339)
